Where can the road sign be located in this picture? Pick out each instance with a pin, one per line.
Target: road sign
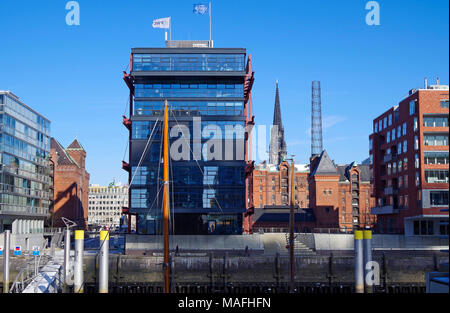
(35, 250)
(1, 250)
(17, 250)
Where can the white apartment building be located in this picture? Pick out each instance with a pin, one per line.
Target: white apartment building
(105, 205)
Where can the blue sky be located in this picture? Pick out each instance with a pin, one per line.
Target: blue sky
(73, 74)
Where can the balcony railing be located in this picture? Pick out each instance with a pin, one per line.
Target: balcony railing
(386, 209)
(388, 191)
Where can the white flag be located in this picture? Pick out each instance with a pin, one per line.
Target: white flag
(162, 23)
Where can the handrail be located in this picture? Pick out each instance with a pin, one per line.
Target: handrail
(26, 275)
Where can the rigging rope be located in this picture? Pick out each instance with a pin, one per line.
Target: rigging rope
(201, 171)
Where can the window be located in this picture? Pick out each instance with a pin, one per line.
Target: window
(406, 196)
(399, 130)
(444, 104)
(385, 122)
(394, 168)
(423, 228)
(393, 134)
(380, 126)
(404, 146)
(371, 159)
(389, 169)
(416, 124)
(439, 198)
(435, 121)
(399, 148)
(388, 136)
(400, 183)
(417, 179)
(370, 143)
(443, 229)
(404, 129)
(416, 142)
(405, 181)
(436, 157)
(375, 127)
(390, 119)
(416, 161)
(399, 166)
(435, 140)
(412, 107)
(436, 176)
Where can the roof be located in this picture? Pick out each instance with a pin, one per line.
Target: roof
(63, 157)
(188, 50)
(325, 165)
(343, 171)
(281, 214)
(75, 145)
(264, 166)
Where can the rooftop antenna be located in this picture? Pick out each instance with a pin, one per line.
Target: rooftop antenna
(426, 84)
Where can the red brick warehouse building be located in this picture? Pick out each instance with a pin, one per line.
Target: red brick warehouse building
(326, 196)
(71, 183)
(410, 163)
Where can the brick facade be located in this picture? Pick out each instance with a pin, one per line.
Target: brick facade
(339, 199)
(400, 187)
(71, 184)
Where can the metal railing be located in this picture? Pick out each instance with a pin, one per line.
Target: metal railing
(29, 272)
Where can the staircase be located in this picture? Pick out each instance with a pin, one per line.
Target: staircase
(299, 247)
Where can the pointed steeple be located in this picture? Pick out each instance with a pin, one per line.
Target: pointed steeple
(277, 109)
(277, 149)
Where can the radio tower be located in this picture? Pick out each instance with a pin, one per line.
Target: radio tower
(316, 120)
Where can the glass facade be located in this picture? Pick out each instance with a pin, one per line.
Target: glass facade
(191, 89)
(190, 108)
(188, 62)
(207, 195)
(25, 176)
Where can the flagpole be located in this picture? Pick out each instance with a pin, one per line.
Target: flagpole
(210, 22)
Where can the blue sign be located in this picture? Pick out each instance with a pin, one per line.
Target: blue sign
(35, 250)
(17, 250)
(1, 250)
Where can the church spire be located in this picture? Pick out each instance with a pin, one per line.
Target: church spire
(277, 109)
(277, 149)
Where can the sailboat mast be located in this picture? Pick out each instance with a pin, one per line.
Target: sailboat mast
(166, 264)
(291, 230)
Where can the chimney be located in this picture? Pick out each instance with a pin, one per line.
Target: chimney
(426, 85)
(437, 81)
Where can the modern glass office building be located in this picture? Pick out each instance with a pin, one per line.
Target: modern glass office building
(207, 91)
(25, 175)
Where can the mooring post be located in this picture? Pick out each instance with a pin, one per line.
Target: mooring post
(66, 258)
(359, 260)
(367, 242)
(104, 260)
(6, 251)
(78, 269)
